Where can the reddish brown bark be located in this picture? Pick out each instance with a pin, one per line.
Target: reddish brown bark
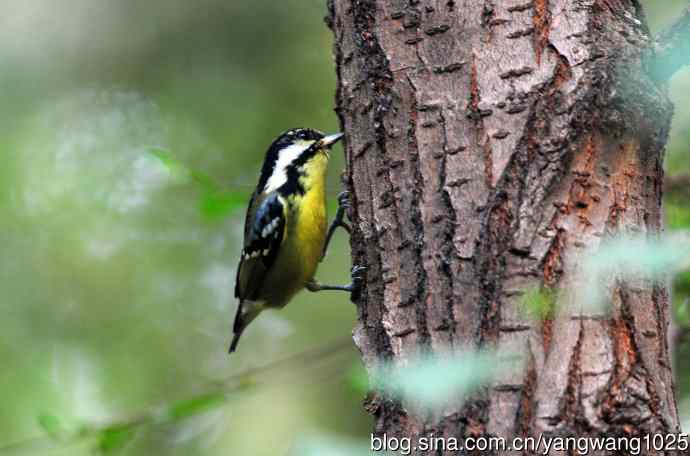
(489, 144)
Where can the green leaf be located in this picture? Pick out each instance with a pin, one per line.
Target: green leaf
(246, 383)
(539, 303)
(215, 202)
(322, 445)
(215, 205)
(433, 380)
(682, 313)
(681, 296)
(677, 215)
(681, 283)
(115, 438)
(358, 379)
(633, 257)
(52, 425)
(175, 168)
(195, 406)
(183, 172)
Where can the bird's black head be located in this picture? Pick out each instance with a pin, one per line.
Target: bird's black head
(289, 152)
(295, 135)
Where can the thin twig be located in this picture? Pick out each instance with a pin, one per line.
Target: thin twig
(259, 376)
(677, 186)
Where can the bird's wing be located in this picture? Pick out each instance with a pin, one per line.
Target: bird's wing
(264, 231)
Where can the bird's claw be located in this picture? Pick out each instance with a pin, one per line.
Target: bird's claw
(357, 278)
(356, 273)
(344, 199)
(343, 210)
(339, 220)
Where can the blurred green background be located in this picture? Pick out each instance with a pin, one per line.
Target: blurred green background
(131, 134)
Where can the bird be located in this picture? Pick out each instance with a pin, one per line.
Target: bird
(285, 231)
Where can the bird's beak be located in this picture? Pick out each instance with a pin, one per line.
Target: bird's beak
(328, 141)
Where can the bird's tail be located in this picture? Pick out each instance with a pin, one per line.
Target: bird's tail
(246, 312)
(237, 328)
(235, 341)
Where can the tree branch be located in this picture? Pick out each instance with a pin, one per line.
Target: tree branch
(671, 49)
(110, 434)
(677, 186)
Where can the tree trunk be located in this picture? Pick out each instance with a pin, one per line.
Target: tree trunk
(489, 144)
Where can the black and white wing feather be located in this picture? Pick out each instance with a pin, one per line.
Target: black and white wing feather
(263, 235)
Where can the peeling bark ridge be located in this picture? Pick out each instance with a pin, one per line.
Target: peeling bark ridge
(490, 145)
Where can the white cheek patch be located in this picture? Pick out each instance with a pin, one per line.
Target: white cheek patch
(286, 156)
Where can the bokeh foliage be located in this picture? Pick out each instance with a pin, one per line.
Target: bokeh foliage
(130, 136)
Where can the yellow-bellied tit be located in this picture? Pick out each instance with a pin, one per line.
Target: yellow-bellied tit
(285, 235)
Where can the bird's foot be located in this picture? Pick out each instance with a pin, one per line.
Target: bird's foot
(352, 287)
(338, 220)
(315, 286)
(358, 276)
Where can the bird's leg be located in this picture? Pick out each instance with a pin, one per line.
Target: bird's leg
(351, 287)
(315, 286)
(338, 221)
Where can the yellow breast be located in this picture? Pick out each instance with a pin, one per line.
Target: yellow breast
(309, 216)
(301, 250)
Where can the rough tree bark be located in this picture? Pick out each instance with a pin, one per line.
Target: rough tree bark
(489, 144)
